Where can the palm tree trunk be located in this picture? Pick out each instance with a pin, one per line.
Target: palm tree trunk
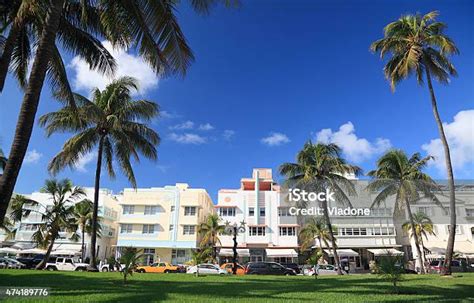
(93, 263)
(415, 237)
(43, 262)
(452, 198)
(5, 59)
(29, 106)
(82, 244)
(333, 239)
(423, 255)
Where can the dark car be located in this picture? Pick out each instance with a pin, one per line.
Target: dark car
(293, 266)
(31, 261)
(268, 268)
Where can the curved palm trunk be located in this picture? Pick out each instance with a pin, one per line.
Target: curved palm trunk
(423, 255)
(449, 168)
(5, 59)
(333, 239)
(93, 263)
(415, 237)
(43, 262)
(29, 106)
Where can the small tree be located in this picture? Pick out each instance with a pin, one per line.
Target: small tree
(200, 256)
(391, 268)
(314, 260)
(130, 258)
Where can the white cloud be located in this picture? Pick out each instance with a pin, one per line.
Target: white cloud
(33, 156)
(228, 134)
(168, 115)
(188, 138)
(84, 161)
(275, 139)
(354, 148)
(206, 126)
(127, 65)
(184, 125)
(460, 135)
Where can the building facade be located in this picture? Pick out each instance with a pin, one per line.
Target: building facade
(270, 232)
(163, 221)
(109, 210)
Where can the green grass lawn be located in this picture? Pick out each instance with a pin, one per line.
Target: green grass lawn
(108, 287)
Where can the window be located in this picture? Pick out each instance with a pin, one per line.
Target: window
(190, 210)
(470, 212)
(189, 229)
(28, 227)
(172, 208)
(257, 231)
(149, 251)
(125, 228)
(425, 210)
(262, 212)
(151, 210)
(128, 209)
(171, 227)
(251, 212)
(287, 231)
(227, 212)
(284, 212)
(148, 229)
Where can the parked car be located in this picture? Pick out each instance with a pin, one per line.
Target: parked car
(3, 265)
(268, 268)
(32, 261)
(67, 264)
(12, 263)
(437, 265)
(158, 267)
(207, 269)
(293, 266)
(230, 266)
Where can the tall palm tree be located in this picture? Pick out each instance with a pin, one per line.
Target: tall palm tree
(150, 27)
(3, 160)
(315, 228)
(113, 122)
(83, 214)
(320, 167)
(418, 45)
(423, 227)
(49, 21)
(402, 177)
(59, 217)
(210, 230)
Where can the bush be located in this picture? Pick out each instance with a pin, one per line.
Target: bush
(391, 268)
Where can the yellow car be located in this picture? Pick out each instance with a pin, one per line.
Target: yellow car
(159, 267)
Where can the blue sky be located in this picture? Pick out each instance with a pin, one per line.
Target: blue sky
(268, 77)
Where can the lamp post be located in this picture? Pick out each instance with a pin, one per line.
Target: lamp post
(234, 230)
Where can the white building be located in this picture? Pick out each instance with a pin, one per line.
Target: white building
(109, 210)
(271, 233)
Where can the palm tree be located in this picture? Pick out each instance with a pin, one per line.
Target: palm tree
(56, 218)
(210, 230)
(3, 160)
(320, 167)
(423, 227)
(150, 27)
(130, 259)
(402, 177)
(114, 123)
(418, 45)
(315, 228)
(83, 214)
(9, 228)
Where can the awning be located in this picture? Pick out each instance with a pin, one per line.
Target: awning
(33, 251)
(275, 253)
(229, 252)
(64, 252)
(385, 252)
(9, 250)
(342, 253)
